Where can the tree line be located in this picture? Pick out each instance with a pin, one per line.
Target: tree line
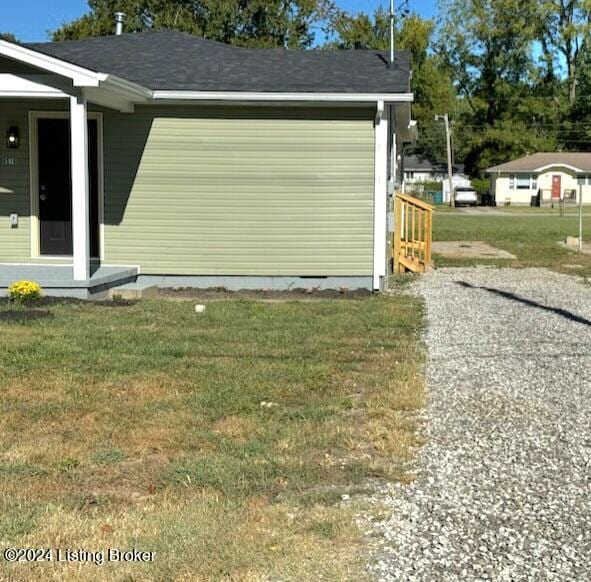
(514, 75)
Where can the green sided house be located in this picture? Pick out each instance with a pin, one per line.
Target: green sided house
(160, 158)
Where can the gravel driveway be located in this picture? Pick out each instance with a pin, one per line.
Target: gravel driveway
(504, 486)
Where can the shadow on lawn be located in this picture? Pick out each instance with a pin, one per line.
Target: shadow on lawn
(513, 297)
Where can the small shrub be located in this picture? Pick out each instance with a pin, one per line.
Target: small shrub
(25, 291)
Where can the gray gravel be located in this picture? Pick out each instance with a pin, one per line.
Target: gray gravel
(504, 488)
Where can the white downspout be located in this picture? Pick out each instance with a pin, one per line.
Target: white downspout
(380, 225)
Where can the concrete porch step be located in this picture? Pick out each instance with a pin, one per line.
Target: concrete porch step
(135, 290)
(58, 280)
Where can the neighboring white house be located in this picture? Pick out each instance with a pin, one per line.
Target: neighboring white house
(551, 176)
(419, 170)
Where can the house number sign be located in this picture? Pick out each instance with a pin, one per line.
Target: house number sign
(8, 161)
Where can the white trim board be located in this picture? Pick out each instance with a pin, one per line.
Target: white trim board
(559, 165)
(380, 201)
(34, 180)
(272, 96)
(80, 76)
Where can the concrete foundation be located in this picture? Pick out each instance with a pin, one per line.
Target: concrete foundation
(237, 282)
(126, 282)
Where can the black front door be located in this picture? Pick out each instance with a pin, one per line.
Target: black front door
(55, 187)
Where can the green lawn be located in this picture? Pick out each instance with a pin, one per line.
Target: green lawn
(221, 441)
(533, 239)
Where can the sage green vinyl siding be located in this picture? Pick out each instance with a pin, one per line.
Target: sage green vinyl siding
(250, 191)
(15, 243)
(15, 189)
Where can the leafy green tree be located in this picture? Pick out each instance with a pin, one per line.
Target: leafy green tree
(564, 31)
(502, 110)
(360, 31)
(261, 23)
(576, 129)
(488, 46)
(431, 83)
(8, 36)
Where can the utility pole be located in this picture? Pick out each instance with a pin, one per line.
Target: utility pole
(445, 119)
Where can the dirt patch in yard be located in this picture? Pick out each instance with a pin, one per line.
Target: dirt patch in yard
(262, 294)
(470, 250)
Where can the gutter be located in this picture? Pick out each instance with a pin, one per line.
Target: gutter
(126, 88)
(272, 96)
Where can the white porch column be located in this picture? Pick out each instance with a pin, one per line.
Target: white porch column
(80, 187)
(380, 196)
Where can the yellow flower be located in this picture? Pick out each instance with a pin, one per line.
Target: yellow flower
(24, 291)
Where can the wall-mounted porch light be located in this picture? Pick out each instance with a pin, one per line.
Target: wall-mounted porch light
(12, 138)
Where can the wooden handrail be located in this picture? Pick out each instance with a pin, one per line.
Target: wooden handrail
(415, 201)
(412, 237)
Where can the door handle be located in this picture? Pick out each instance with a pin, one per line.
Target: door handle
(43, 197)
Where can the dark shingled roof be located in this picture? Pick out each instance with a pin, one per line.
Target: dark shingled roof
(172, 60)
(534, 162)
(419, 163)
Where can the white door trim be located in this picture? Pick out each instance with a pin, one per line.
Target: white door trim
(34, 116)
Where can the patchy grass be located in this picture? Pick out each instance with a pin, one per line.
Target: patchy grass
(532, 239)
(222, 441)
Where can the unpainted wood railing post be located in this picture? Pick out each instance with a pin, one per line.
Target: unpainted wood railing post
(397, 232)
(428, 238)
(412, 240)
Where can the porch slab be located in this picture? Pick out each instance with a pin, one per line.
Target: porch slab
(58, 280)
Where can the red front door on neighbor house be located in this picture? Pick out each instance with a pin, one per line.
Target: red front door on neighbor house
(556, 186)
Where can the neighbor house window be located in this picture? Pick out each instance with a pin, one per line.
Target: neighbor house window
(581, 180)
(523, 182)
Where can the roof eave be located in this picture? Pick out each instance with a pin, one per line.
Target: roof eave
(502, 169)
(80, 76)
(558, 165)
(135, 93)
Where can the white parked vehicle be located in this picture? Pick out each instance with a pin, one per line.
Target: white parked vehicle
(465, 195)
